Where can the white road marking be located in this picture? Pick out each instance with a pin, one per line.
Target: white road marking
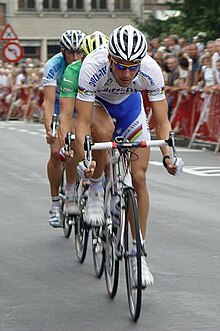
(196, 170)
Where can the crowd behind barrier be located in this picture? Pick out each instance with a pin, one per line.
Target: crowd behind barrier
(195, 115)
(21, 91)
(191, 72)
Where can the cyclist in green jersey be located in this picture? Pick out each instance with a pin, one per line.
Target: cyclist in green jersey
(68, 92)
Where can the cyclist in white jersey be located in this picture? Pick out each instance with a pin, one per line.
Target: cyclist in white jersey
(70, 43)
(113, 77)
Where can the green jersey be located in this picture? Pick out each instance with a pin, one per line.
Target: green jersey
(69, 85)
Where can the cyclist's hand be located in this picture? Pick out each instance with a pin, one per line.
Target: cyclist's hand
(50, 138)
(85, 172)
(173, 168)
(64, 155)
(89, 172)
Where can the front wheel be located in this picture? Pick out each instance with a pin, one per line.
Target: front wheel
(67, 221)
(111, 262)
(81, 238)
(132, 257)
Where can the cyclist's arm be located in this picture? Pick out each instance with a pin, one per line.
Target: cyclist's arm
(163, 128)
(68, 91)
(83, 123)
(48, 106)
(65, 118)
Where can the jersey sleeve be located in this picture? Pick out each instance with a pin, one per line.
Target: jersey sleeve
(53, 70)
(69, 84)
(154, 80)
(86, 89)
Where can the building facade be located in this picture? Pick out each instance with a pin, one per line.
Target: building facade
(39, 23)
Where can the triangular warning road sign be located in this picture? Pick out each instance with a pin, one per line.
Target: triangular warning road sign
(8, 33)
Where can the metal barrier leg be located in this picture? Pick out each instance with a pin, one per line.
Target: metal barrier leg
(217, 148)
(201, 120)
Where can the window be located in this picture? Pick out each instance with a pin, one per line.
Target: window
(2, 14)
(75, 4)
(31, 51)
(52, 50)
(122, 5)
(99, 4)
(26, 4)
(51, 4)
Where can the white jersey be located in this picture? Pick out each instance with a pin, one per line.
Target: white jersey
(95, 78)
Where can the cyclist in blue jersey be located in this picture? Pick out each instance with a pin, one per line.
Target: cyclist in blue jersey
(70, 44)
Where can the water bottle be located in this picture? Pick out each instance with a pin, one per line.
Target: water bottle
(115, 209)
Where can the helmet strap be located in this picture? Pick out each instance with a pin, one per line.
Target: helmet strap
(63, 52)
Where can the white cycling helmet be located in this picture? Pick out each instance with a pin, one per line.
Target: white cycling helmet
(72, 40)
(128, 44)
(93, 41)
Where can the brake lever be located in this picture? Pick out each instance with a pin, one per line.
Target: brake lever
(68, 142)
(88, 151)
(54, 124)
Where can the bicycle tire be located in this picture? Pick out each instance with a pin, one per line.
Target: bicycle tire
(81, 238)
(66, 221)
(134, 289)
(97, 251)
(67, 226)
(111, 261)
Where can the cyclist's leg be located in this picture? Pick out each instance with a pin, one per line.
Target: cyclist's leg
(139, 130)
(71, 206)
(102, 129)
(54, 172)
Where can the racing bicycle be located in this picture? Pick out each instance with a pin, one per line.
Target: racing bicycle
(67, 220)
(121, 217)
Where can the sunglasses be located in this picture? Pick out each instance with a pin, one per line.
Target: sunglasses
(73, 52)
(122, 67)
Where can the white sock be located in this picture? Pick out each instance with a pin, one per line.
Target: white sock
(96, 184)
(70, 190)
(56, 201)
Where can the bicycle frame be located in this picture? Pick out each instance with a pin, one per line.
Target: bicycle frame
(120, 176)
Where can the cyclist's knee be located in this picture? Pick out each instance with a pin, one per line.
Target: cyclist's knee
(139, 178)
(103, 132)
(54, 155)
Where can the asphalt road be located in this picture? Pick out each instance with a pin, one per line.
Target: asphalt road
(43, 287)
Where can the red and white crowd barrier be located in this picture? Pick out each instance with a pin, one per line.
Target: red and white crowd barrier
(195, 115)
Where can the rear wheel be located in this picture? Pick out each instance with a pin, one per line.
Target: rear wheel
(97, 251)
(132, 257)
(81, 227)
(81, 238)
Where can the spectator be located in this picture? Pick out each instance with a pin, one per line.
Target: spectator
(210, 47)
(182, 43)
(171, 66)
(196, 67)
(207, 77)
(217, 72)
(215, 57)
(155, 44)
(174, 47)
